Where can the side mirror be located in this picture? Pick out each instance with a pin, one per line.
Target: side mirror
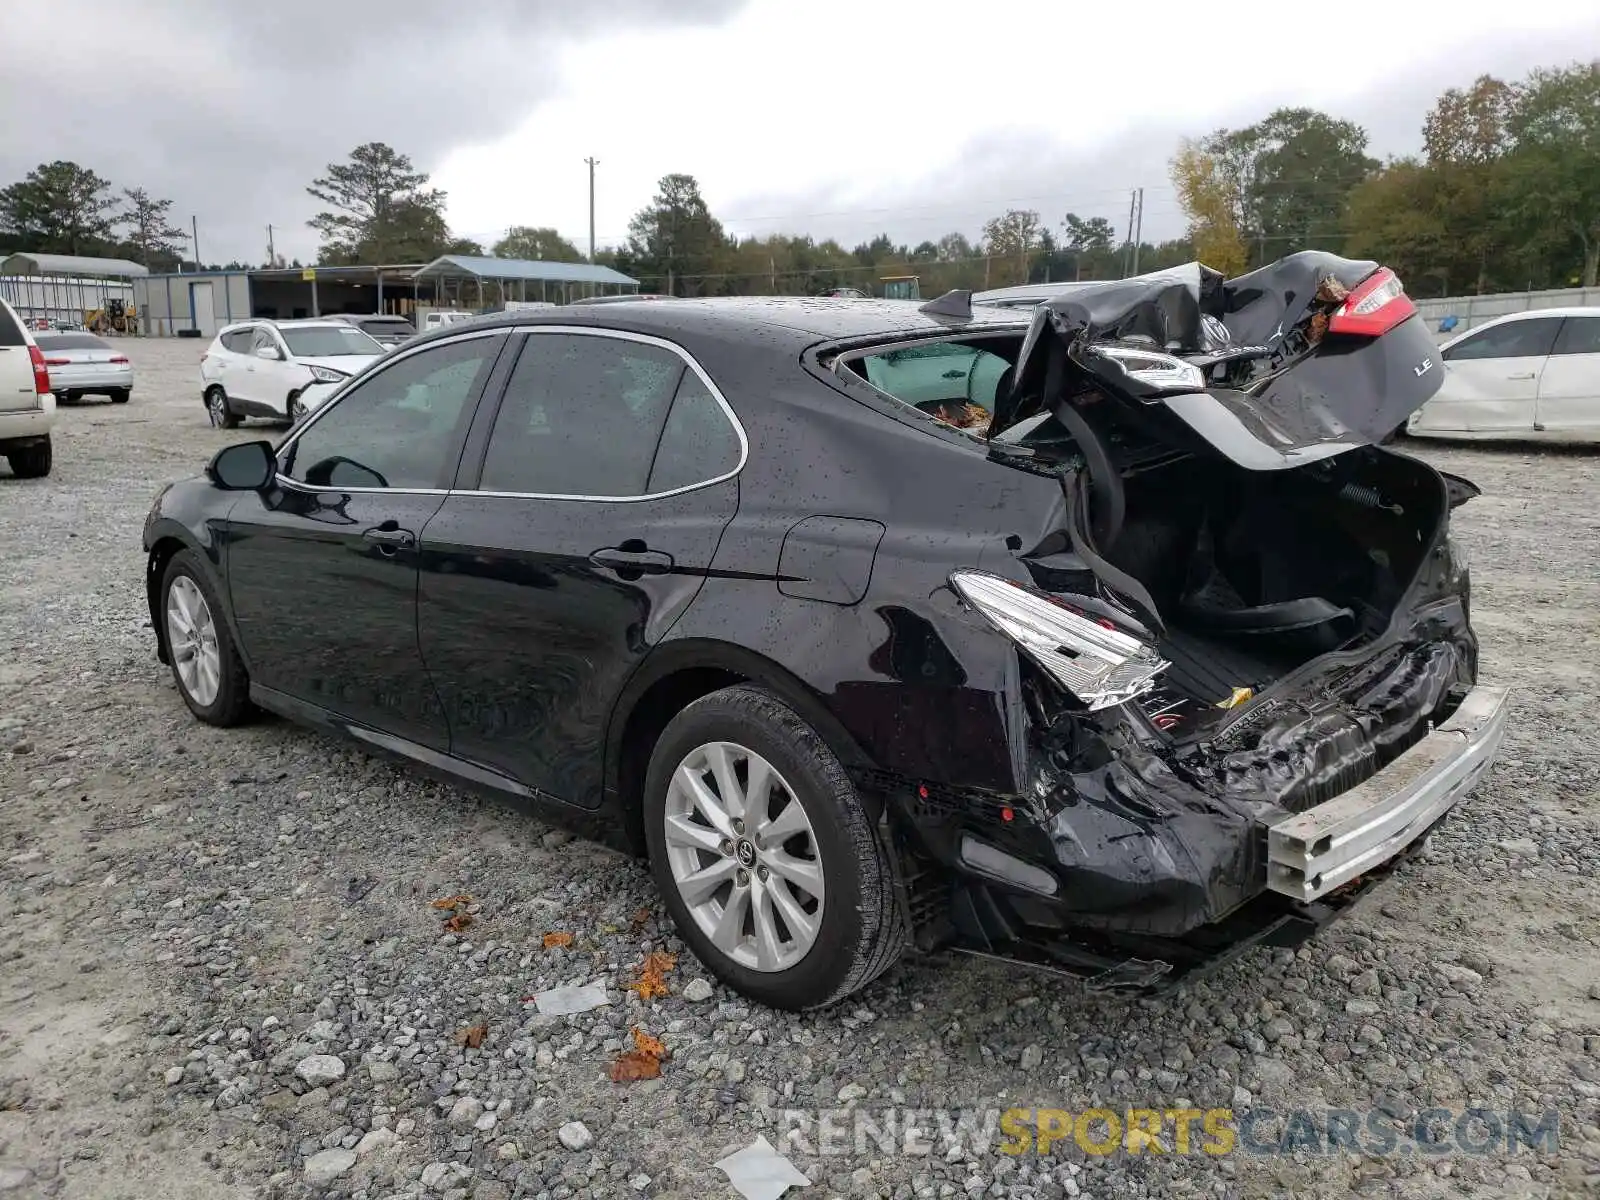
(247, 467)
(270, 353)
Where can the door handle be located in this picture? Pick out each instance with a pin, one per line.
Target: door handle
(628, 561)
(955, 374)
(1527, 375)
(389, 537)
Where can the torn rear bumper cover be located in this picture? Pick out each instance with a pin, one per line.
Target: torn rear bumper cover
(1313, 852)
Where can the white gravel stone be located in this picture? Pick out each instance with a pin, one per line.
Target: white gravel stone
(327, 1165)
(697, 990)
(377, 1139)
(319, 1070)
(575, 1135)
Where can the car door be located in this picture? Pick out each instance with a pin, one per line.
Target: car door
(590, 505)
(273, 377)
(322, 568)
(1569, 386)
(1492, 378)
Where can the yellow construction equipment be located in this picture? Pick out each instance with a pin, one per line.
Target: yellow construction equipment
(118, 316)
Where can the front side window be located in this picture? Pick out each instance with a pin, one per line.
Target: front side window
(582, 416)
(329, 341)
(1579, 335)
(239, 341)
(1514, 339)
(263, 340)
(399, 428)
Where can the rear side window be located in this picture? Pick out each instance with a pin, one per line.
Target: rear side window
(581, 416)
(950, 380)
(10, 329)
(698, 444)
(1579, 335)
(1515, 339)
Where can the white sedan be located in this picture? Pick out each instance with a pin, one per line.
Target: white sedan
(1530, 376)
(280, 370)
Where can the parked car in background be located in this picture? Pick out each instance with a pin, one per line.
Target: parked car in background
(384, 328)
(439, 318)
(1171, 660)
(280, 370)
(27, 407)
(1530, 376)
(82, 364)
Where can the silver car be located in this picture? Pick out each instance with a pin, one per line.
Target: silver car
(81, 364)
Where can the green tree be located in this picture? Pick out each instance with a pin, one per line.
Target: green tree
(152, 236)
(382, 209)
(1555, 127)
(1009, 240)
(540, 244)
(59, 208)
(675, 239)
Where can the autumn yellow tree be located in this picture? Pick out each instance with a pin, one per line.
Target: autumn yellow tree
(1212, 207)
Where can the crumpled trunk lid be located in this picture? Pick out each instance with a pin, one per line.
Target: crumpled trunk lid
(1272, 387)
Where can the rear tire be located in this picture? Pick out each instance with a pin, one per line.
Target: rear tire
(195, 626)
(807, 963)
(217, 407)
(67, 398)
(121, 395)
(31, 462)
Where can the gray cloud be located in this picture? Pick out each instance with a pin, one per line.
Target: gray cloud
(230, 109)
(1028, 171)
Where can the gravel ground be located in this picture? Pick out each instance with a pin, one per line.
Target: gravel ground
(222, 975)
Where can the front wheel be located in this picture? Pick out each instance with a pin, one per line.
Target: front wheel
(31, 462)
(222, 416)
(206, 666)
(296, 408)
(766, 855)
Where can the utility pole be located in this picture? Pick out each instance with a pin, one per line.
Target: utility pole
(1138, 229)
(194, 227)
(591, 161)
(272, 256)
(1127, 248)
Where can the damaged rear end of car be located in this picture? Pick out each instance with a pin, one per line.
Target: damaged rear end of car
(1246, 678)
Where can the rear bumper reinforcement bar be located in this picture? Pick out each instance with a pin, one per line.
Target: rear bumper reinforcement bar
(1311, 853)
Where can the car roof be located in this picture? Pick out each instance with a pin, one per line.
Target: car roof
(804, 319)
(1030, 291)
(296, 323)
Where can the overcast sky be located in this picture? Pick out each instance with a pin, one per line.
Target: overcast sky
(834, 118)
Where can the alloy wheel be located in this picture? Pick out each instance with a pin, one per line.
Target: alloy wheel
(297, 409)
(192, 641)
(217, 407)
(744, 857)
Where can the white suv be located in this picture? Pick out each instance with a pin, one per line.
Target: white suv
(280, 369)
(27, 409)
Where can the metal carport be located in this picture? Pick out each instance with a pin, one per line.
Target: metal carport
(65, 285)
(555, 282)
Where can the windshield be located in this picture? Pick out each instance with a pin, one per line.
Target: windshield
(70, 341)
(328, 341)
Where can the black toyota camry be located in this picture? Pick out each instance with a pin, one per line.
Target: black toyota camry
(1105, 637)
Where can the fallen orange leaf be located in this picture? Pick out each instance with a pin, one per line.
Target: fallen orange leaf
(458, 922)
(450, 903)
(472, 1036)
(553, 941)
(652, 982)
(644, 1043)
(640, 918)
(633, 1066)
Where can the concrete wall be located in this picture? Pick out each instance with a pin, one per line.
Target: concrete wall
(168, 304)
(60, 297)
(1475, 310)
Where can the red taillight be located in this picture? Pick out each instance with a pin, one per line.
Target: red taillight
(57, 362)
(1377, 305)
(41, 373)
(119, 358)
